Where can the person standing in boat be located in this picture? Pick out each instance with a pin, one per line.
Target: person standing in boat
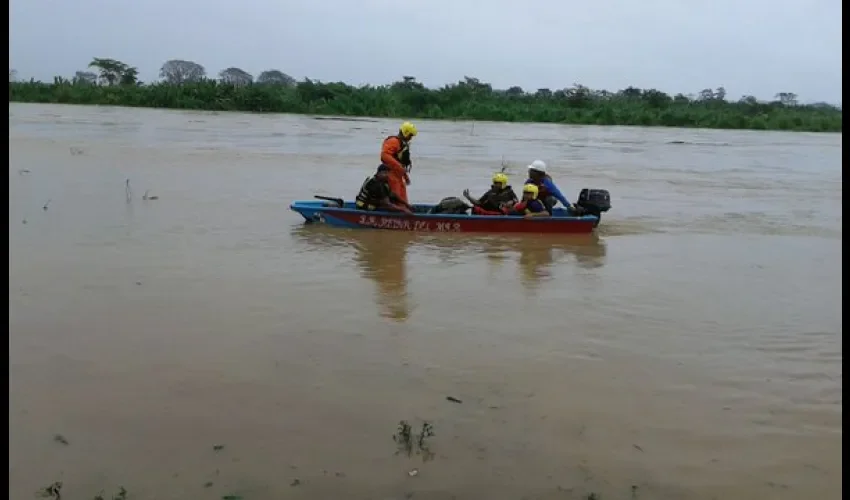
(530, 206)
(376, 194)
(395, 155)
(549, 193)
(496, 201)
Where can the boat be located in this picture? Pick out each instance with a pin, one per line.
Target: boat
(337, 212)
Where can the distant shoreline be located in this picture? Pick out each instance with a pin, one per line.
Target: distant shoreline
(645, 108)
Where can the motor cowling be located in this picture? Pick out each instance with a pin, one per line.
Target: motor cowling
(594, 201)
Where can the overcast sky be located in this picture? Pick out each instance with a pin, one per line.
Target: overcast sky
(757, 47)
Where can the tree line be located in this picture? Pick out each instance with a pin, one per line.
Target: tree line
(186, 85)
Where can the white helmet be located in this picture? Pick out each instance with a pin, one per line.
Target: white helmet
(538, 165)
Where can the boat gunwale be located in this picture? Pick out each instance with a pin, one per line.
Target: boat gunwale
(321, 206)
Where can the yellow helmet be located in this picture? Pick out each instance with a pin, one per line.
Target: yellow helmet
(500, 178)
(531, 188)
(408, 130)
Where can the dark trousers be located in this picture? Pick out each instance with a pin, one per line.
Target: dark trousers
(549, 203)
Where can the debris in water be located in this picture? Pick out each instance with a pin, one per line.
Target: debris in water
(121, 495)
(413, 473)
(127, 191)
(59, 438)
(409, 442)
(76, 151)
(638, 448)
(23, 171)
(45, 205)
(403, 435)
(426, 432)
(216, 447)
(146, 197)
(295, 482)
(53, 491)
(453, 400)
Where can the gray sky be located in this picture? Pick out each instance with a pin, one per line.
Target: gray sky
(757, 47)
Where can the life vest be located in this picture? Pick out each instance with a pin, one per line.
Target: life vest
(403, 155)
(506, 195)
(363, 199)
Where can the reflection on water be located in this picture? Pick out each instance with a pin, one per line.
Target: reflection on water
(539, 253)
(386, 264)
(382, 256)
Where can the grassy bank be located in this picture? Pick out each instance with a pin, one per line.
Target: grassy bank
(467, 100)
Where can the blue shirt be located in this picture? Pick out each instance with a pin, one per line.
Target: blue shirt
(553, 190)
(534, 207)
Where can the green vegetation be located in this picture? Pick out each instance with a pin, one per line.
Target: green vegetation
(185, 85)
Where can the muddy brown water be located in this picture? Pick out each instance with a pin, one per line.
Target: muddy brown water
(691, 349)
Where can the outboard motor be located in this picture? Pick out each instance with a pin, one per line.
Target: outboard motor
(452, 205)
(594, 202)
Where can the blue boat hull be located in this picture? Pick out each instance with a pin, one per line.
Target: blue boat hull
(330, 213)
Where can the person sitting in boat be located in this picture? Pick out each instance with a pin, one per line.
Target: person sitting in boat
(530, 205)
(395, 154)
(497, 200)
(549, 193)
(375, 194)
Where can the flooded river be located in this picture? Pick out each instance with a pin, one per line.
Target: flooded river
(207, 344)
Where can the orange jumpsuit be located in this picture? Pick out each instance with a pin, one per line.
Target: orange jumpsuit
(391, 152)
